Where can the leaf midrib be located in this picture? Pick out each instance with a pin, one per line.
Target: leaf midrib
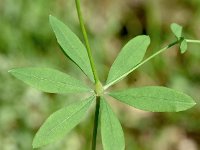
(152, 97)
(122, 75)
(53, 81)
(82, 65)
(71, 46)
(110, 122)
(54, 128)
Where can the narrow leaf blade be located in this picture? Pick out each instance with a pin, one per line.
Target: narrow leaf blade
(176, 29)
(49, 80)
(183, 46)
(155, 99)
(131, 54)
(61, 122)
(72, 46)
(111, 130)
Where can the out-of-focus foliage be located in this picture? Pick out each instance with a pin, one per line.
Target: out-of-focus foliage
(26, 39)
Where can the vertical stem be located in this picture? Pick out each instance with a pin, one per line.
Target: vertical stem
(98, 86)
(96, 118)
(96, 78)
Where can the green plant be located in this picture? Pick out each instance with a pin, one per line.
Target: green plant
(150, 98)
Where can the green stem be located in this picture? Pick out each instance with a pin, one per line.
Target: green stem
(96, 118)
(96, 78)
(140, 64)
(98, 86)
(192, 41)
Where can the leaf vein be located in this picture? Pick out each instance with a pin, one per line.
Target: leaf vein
(54, 128)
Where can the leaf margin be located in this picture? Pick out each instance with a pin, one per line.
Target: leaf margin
(115, 95)
(24, 72)
(176, 30)
(84, 65)
(37, 139)
(109, 111)
(113, 81)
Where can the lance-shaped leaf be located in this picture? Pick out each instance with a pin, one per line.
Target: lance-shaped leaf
(72, 46)
(183, 46)
(111, 130)
(155, 99)
(61, 122)
(49, 80)
(131, 54)
(177, 30)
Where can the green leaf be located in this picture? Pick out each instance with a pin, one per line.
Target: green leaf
(72, 46)
(111, 130)
(131, 54)
(177, 30)
(61, 122)
(183, 46)
(49, 80)
(155, 99)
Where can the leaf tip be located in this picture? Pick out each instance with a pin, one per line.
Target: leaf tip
(189, 105)
(34, 144)
(146, 38)
(12, 71)
(149, 39)
(175, 25)
(37, 142)
(193, 103)
(51, 19)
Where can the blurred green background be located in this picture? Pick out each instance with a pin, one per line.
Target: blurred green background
(26, 39)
